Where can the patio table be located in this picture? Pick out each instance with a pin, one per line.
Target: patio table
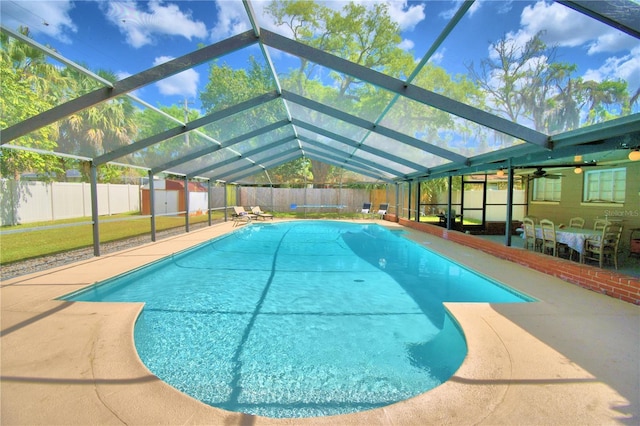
(573, 237)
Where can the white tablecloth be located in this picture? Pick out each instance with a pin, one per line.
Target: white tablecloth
(573, 237)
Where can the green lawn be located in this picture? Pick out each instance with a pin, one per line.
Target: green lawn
(31, 244)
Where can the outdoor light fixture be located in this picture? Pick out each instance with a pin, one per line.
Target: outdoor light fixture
(500, 173)
(634, 155)
(577, 170)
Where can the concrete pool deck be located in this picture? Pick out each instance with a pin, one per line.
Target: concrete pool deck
(571, 358)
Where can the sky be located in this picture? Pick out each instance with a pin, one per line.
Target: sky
(128, 37)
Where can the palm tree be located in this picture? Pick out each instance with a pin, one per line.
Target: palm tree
(29, 87)
(99, 129)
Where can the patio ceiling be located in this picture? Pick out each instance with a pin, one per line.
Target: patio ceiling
(373, 144)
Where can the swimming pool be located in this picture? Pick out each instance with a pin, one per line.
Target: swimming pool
(301, 319)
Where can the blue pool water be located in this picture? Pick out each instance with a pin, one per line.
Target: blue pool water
(301, 319)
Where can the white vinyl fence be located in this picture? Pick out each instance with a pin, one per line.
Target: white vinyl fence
(26, 202)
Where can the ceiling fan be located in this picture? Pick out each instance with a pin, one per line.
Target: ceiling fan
(540, 173)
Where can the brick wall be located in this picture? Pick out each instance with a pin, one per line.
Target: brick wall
(603, 281)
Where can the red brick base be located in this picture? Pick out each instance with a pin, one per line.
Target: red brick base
(603, 281)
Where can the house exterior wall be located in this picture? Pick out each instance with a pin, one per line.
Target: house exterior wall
(571, 204)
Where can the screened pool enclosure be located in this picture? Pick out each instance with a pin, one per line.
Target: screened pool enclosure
(386, 95)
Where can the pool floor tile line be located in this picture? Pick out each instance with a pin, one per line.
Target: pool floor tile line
(569, 358)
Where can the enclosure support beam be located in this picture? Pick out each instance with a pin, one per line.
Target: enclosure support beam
(397, 201)
(268, 163)
(409, 201)
(507, 231)
(272, 203)
(418, 200)
(186, 203)
(409, 91)
(94, 209)
(129, 84)
(152, 206)
(450, 181)
(209, 203)
(226, 192)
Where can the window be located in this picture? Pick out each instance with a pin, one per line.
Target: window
(545, 189)
(605, 186)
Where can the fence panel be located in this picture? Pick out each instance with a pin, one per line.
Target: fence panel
(281, 199)
(198, 202)
(217, 197)
(27, 202)
(24, 202)
(123, 198)
(67, 201)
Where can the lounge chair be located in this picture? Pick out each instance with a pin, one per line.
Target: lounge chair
(382, 210)
(241, 215)
(258, 212)
(366, 209)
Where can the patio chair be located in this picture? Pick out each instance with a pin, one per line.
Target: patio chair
(258, 212)
(576, 222)
(241, 215)
(382, 210)
(366, 209)
(549, 242)
(531, 242)
(606, 247)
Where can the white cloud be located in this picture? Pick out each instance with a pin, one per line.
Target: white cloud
(183, 84)
(564, 27)
(406, 44)
(613, 42)
(46, 17)
(406, 16)
(625, 67)
(501, 8)
(141, 27)
(232, 19)
(438, 56)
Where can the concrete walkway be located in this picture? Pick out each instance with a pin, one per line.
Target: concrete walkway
(572, 358)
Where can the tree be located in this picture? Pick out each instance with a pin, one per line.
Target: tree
(228, 86)
(149, 122)
(31, 85)
(366, 36)
(27, 80)
(293, 172)
(525, 84)
(96, 130)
